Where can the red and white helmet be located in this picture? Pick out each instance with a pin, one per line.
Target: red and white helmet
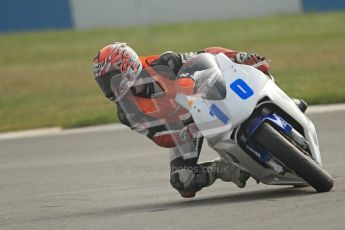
(116, 67)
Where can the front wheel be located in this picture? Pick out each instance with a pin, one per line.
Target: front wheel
(280, 148)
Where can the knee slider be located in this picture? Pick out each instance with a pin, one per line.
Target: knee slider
(186, 181)
(182, 179)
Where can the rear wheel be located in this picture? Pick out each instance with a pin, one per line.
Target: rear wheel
(293, 158)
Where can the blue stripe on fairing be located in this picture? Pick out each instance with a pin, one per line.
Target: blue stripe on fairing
(19, 15)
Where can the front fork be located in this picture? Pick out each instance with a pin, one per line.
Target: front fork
(284, 127)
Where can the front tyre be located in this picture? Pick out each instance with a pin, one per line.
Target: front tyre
(288, 154)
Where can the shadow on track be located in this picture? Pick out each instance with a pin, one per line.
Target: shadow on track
(241, 197)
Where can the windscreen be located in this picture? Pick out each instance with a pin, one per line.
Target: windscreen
(209, 81)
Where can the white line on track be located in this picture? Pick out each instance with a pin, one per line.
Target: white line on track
(325, 108)
(56, 131)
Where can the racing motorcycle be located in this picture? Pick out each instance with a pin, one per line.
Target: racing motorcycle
(251, 123)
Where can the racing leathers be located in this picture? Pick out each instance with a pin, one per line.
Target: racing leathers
(154, 113)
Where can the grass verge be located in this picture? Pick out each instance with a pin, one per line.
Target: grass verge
(46, 77)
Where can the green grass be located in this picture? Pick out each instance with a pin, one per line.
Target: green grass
(46, 77)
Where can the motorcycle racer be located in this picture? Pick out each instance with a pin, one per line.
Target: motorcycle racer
(145, 103)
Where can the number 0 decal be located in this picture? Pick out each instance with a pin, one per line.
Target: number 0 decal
(242, 89)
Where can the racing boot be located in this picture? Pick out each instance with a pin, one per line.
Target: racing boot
(188, 182)
(301, 104)
(226, 172)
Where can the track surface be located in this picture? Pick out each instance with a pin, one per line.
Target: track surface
(119, 180)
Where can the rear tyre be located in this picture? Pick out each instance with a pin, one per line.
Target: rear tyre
(288, 154)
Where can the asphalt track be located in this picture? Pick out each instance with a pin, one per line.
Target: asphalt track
(115, 179)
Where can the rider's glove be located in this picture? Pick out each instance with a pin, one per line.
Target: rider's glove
(248, 59)
(252, 59)
(189, 132)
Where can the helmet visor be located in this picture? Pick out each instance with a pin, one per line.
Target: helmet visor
(104, 83)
